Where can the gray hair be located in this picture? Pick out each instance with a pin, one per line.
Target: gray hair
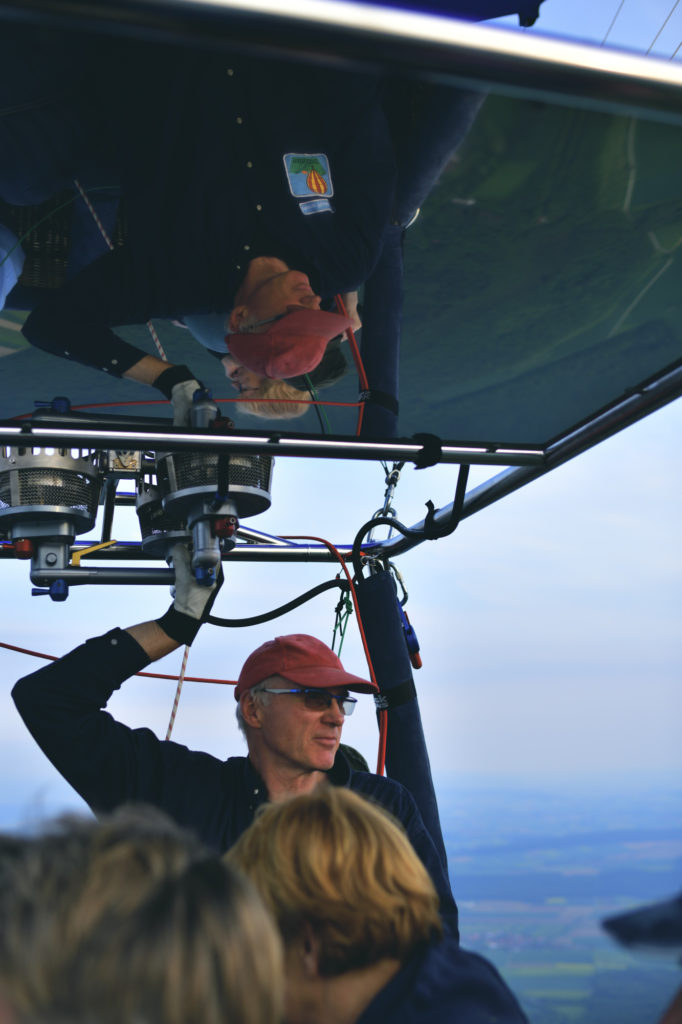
(259, 694)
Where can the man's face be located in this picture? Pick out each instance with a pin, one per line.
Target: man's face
(270, 289)
(241, 379)
(279, 293)
(296, 735)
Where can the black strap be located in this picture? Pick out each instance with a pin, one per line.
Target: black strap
(432, 450)
(167, 379)
(396, 696)
(382, 398)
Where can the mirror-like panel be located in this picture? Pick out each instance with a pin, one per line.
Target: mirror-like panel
(219, 193)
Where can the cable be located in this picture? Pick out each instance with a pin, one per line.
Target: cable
(256, 620)
(147, 675)
(165, 401)
(430, 531)
(608, 33)
(357, 359)
(383, 720)
(670, 13)
(313, 394)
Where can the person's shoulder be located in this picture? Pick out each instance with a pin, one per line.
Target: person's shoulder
(387, 792)
(233, 768)
(453, 983)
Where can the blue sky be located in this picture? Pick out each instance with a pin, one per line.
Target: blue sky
(549, 623)
(636, 27)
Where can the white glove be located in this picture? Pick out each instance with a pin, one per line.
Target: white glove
(182, 397)
(192, 602)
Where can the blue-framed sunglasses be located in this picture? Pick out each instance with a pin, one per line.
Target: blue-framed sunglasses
(319, 700)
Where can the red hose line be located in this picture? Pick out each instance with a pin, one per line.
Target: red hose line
(383, 718)
(149, 675)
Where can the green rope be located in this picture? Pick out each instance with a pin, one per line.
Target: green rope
(344, 610)
(326, 429)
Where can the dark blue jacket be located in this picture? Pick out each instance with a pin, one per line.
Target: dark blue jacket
(211, 151)
(108, 763)
(444, 984)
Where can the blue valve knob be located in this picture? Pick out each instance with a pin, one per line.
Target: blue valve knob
(204, 576)
(58, 590)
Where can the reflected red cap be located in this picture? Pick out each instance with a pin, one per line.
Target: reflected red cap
(290, 346)
(301, 659)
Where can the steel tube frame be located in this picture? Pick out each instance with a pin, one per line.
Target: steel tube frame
(50, 433)
(274, 549)
(632, 409)
(432, 47)
(526, 65)
(95, 574)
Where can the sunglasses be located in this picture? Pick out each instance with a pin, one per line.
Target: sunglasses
(255, 328)
(260, 324)
(319, 700)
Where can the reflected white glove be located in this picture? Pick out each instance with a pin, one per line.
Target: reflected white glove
(182, 397)
(192, 602)
(178, 384)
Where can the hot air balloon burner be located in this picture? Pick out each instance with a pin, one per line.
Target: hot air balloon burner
(212, 492)
(47, 497)
(159, 531)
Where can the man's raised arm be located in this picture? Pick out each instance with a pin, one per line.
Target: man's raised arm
(62, 704)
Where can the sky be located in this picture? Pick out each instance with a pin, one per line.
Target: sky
(549, 623)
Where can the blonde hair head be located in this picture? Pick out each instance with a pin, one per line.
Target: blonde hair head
(339, 864)
(284, 402)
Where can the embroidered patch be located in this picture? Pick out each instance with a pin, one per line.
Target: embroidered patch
(308, 174)
(315, 206)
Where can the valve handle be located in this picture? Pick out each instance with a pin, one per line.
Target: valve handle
(205, 576)
(58, 590)
(410, 638)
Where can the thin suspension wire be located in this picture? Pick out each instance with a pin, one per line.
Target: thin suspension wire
(670, 13)
(673, 55)
(615, 18)
(105, 236)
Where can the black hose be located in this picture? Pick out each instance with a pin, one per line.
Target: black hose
(256, 620)
(430, 531)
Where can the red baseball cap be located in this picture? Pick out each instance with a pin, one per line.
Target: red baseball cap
(292, 345)
(300, 659)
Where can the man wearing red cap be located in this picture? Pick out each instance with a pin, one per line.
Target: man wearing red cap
(250, 185)
(293, 696)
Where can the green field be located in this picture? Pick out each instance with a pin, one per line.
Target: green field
(536, 873)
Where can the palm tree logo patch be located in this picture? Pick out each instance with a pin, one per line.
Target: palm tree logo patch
(308, 174)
